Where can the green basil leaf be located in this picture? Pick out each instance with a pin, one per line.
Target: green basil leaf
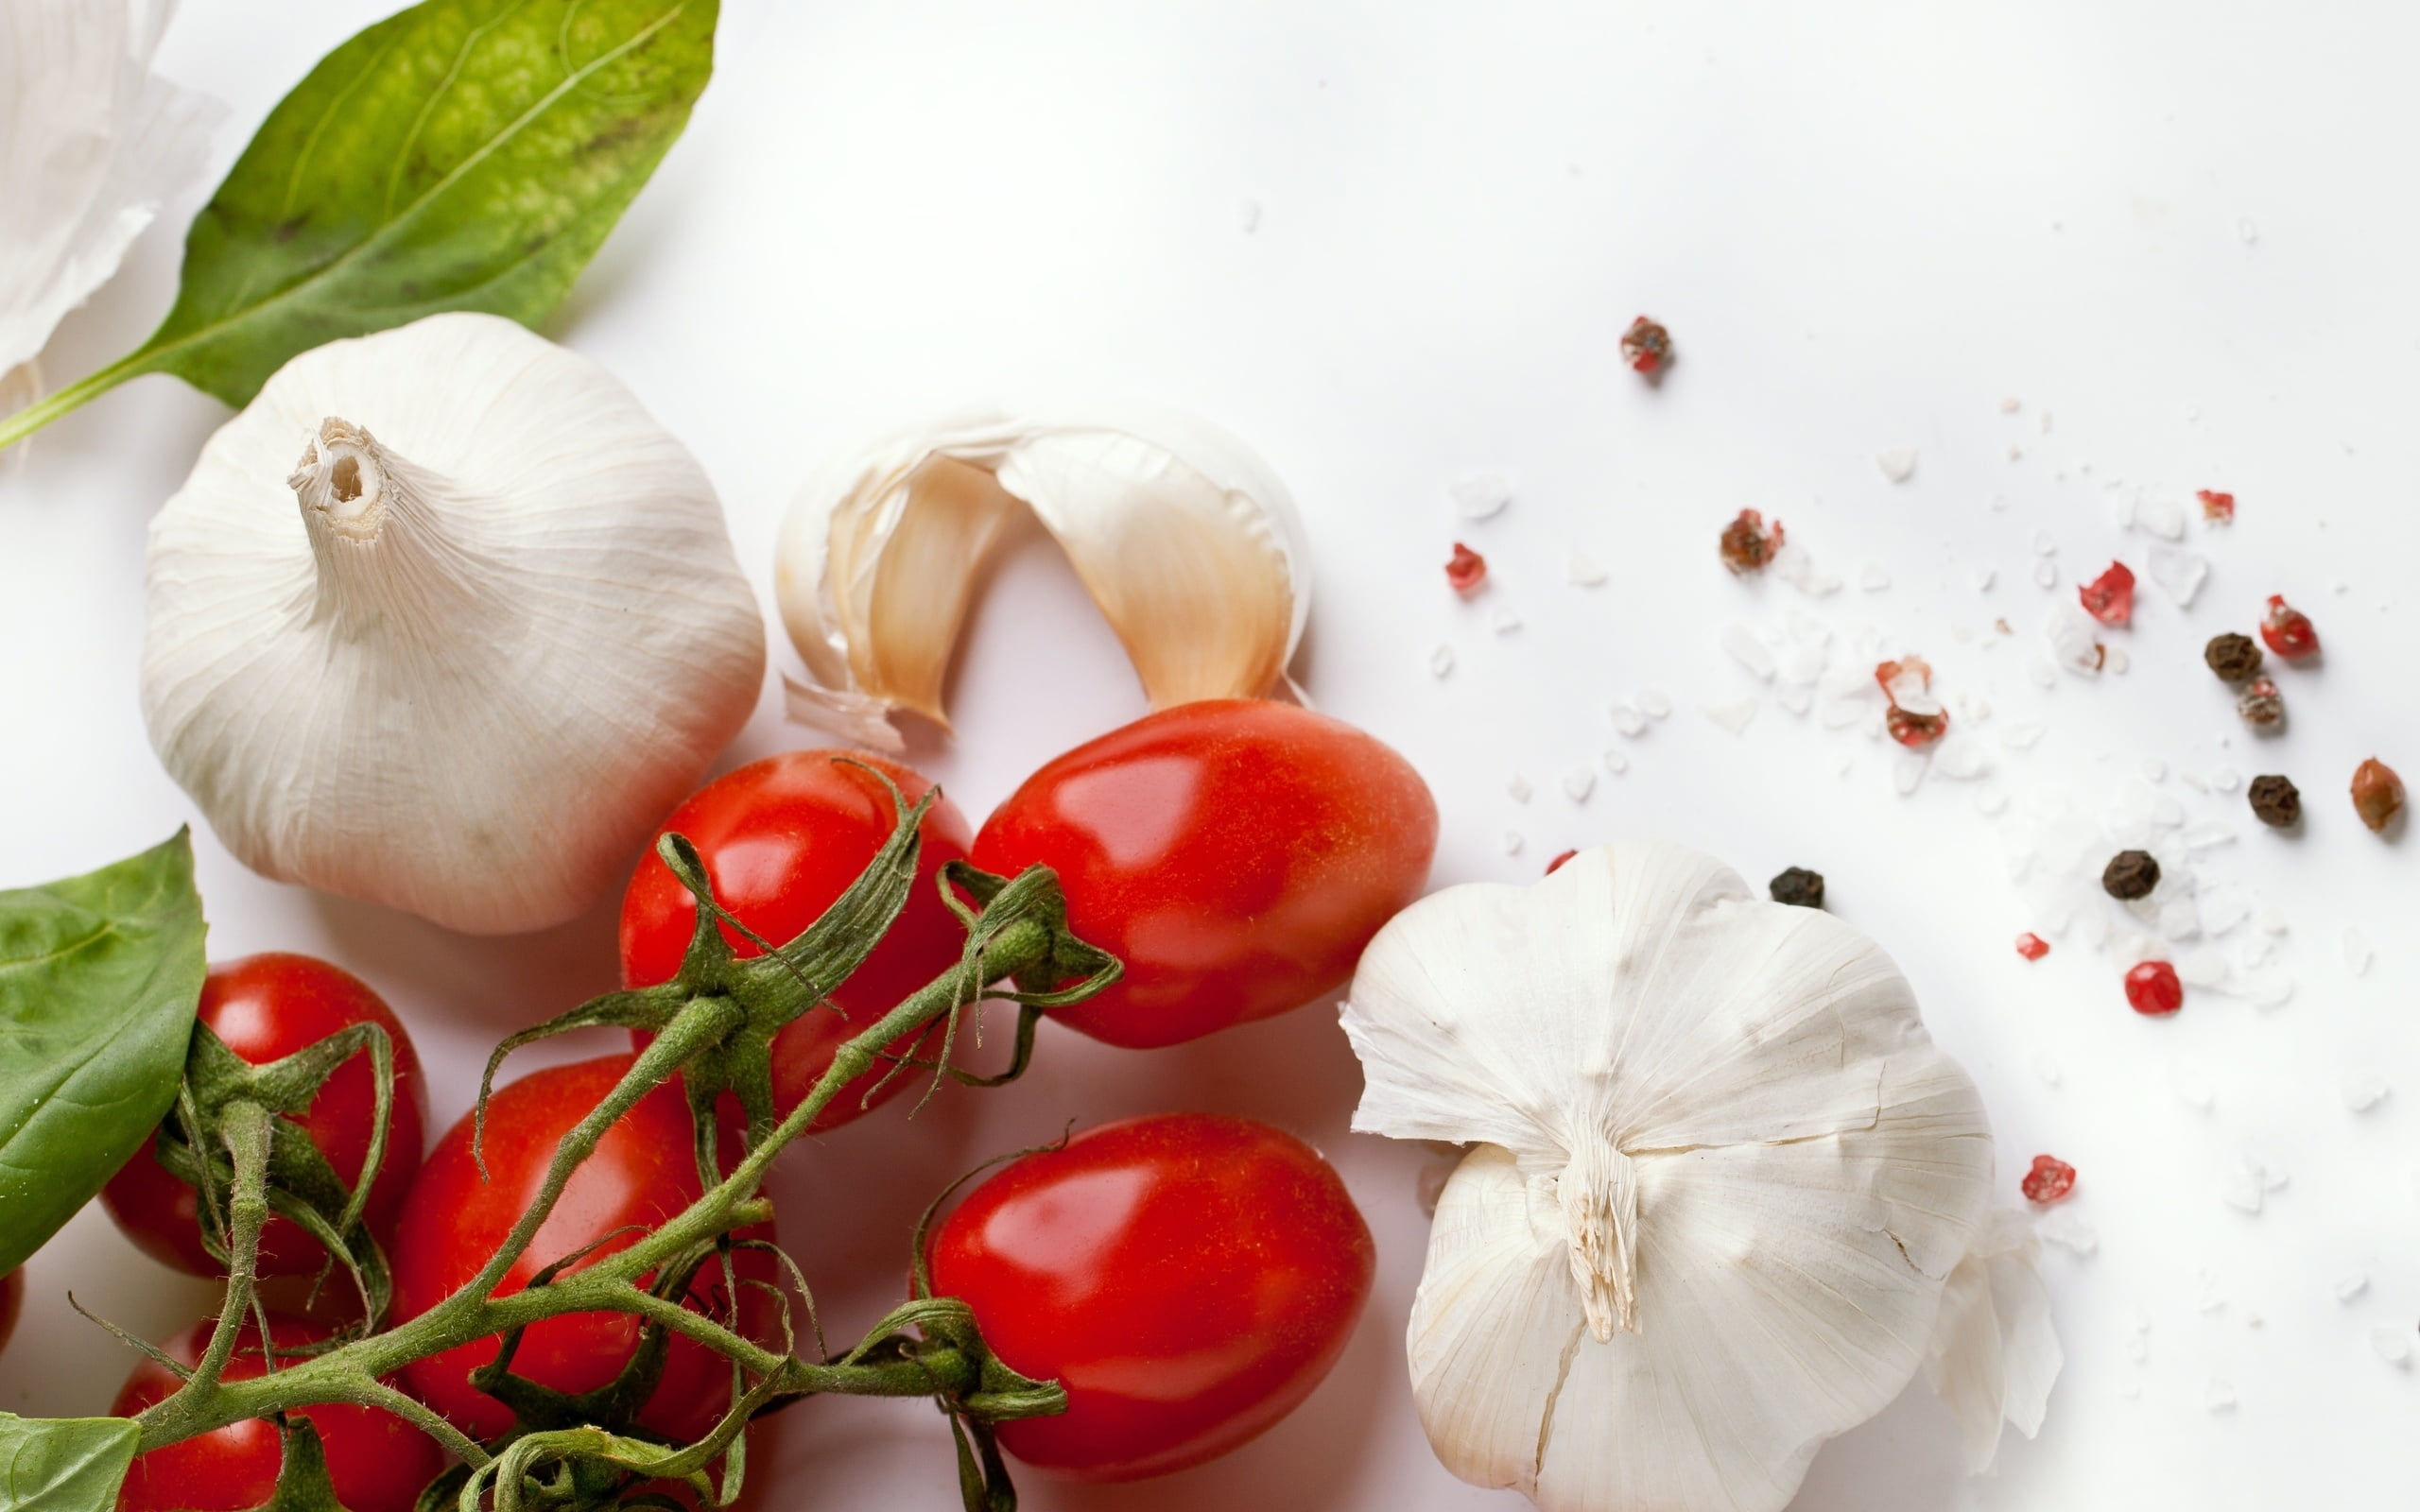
(63, 1464)
(99, 977)
(462, 155)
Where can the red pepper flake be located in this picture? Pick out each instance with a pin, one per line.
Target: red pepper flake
(2110, 598)
(1647, 347)
(2217, 508)
(1556, 865)
(2289, 630)
(2153, 989)
(1916, 719)
(1467, 571)
(2051, 1179)
(2031, 946)
(1747, 545)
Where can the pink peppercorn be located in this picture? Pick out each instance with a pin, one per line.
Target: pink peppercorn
(2031, 946)
(1467, 571)
(2154, 990)
(2110, 598)
(2051, 1179)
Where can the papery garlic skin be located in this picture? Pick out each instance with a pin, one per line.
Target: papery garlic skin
(464, 654)
(1191, 546)
(1778, 1172)
(90, 143)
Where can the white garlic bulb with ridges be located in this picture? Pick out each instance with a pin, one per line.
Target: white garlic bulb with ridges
(464, 654)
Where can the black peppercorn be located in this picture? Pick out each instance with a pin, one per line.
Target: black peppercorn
(2276, 802)
(2233, 657)
(2130, 874)
(1799, 887)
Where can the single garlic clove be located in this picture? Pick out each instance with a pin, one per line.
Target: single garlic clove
(1189, 544)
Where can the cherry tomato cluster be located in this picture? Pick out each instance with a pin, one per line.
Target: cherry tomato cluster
(1189, 1279)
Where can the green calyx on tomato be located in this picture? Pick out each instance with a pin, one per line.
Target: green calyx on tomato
(1236, 854)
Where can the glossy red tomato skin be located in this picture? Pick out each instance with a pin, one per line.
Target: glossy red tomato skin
(1236, 854)
(643, 1172)
(13, 1297)
(266, 1007)
(1188, 1278)
(782, 839)
(377, 1461)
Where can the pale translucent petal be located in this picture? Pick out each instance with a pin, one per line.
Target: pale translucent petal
(1995, 1354)
(90, 143)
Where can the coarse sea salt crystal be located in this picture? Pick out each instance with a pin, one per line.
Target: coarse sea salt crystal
(1984, 579)
(2193, 779)
(2219, 1395)
(1504, 622)
(2392, 1345)
(2114, 658)
(1248, 215)
(1960, 758)
(1796, 699)
(1872, 577)
(2243, 1189)
(2046, 574)
(2268, 990)
(1653, 702)
(1801, 665)
(1582, 569)
(2223, 907)
(1628, 720)
(1840, 714)
(1518, 786)
(1908, 771)
(1990, 802)
(1615, 762)
(1808, 629)
(2043, 544)
(2154, 771)
(1512, 842)
(1578, 784)
(1741, 645)
(2201, 835)
(2074, 639)
(2190, 1085)
(2024, 735)
(1441, 661)
(1898, 463)
(2206, 966)
(2180, 919)
(2351, 1286)
(2164, 518)
(2364, 1093)
(2357, 955)
(2226, 780)
(1480, 496)
(2271, 919)
(2179, 573)
(1734, 716)
(2042, 673)
(2069, 1230)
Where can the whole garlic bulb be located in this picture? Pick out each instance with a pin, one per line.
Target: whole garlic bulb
(1184, 538)
(465, 653)
(1721, 1178)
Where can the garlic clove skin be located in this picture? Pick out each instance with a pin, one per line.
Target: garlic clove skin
(1187, 541)
(463, 653)
(1776, 1174)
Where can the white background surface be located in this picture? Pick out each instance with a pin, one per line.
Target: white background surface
(2185, 230)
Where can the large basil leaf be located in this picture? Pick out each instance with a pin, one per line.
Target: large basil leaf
(99, 977)
(63, 1464)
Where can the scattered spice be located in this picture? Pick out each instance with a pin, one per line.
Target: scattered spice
(2130, 874)
(2031, 946)
(2276, 802)
(1916, 719)
(2217, 508)
(1556, 865)
(1799, 887)
(1747, 545)
(2110, 598)
(2378, 793)
(1647, 347)
(1467, 571)
(2262, 705)
(2233, 657)
(2289, 630)
(2153, 989)
(2051, 1179)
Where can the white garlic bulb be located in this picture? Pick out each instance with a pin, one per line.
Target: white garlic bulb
(1721, 1180)
(463, 655)
(1188, 541)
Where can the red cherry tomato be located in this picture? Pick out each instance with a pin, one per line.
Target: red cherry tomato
(1188, 1278)
(782, 839)
(13, 1297)
(642, 1172)
(266, 1007)
(1236, 854)
(377, 1461)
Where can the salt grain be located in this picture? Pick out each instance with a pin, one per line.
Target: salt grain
(2190, 1085)
(1734, 716)
(1578, 784)
(1960, 758)
(2069, 1230)
(1990, 802)
(1512, 842)
(1480, 496)
(1840, 713)
(2201, 835)
(2206, 966)
(2023, 735)
(2271, 919)
(1744, 647)
(1581, 568)
(2155, 769)
(2247, 231)
(1908, 771)
(1248, 215)
(2357, 955)
(2046, 574)
(1518, 786)
(2179, 919)
(2392, 1345)
(1504, 622)
(1796, 699)
(2219, 1395)
(1653, 701)
(2243, 1189)
(1984, 577)
(1616, 762)
(2193, 779)
(1441, 661)
(2226, 780)
(2043, 544)
(1628, 720)
(2180, 573)
(1898, 463)
(2352, 1286)
(2364, 1093)
(2164, 518)
(2042, 673)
